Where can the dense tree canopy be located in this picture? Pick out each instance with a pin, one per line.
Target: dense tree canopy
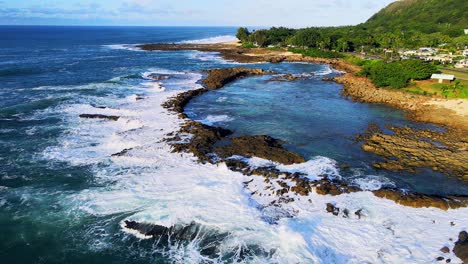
(403, 24)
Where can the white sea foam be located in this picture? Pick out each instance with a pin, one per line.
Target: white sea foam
(373, 182)
(214, 119)
(221, 99)
(325, 71)
(132, 47)
(212, 40)
(153, 185)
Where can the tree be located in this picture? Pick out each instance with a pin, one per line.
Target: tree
(343, 44)
(243, 34)
(260, 37)
(418, 70)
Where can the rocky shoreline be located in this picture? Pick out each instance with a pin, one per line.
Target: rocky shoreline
(203, 143)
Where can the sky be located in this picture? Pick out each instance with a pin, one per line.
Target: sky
(290, 13)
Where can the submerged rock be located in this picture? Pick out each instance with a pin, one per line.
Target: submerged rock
(157, 77)
(285, 78)
(98, 116)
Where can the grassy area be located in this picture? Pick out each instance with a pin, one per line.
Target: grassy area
(248, 45)
(429, 88)
(317, 53)
(459, 74)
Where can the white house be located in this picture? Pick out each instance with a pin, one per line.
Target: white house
(443, 77)
(441, 58)
(462, 64)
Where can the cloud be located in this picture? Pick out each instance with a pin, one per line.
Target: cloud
(293, 13)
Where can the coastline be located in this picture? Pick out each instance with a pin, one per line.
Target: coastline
(360, 89)
(204, 138)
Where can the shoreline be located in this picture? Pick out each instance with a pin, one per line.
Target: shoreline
(204, 137)
(360, 89)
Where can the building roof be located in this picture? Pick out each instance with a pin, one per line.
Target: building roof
(443, 77)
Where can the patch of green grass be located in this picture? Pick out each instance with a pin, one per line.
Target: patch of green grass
(459, 74)
(440, 90)
(248, 45)
(317, 53)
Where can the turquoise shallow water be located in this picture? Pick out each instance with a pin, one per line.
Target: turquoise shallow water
(63, 198)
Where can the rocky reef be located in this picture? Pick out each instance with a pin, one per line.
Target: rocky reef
(407, 148)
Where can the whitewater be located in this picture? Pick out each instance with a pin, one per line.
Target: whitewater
(151, 184)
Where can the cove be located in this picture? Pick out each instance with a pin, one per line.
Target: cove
(314, 119)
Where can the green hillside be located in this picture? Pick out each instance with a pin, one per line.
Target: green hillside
(402, 24)
(449, 17)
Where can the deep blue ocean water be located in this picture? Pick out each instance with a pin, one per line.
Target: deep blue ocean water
(49, 159)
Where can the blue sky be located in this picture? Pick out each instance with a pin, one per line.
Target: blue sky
(291, 13)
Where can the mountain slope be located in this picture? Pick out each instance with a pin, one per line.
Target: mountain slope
(428, 16)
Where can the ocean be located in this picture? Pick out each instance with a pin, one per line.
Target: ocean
(64, 197)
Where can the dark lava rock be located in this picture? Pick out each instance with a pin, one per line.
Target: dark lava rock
(97, 116)
(202, 141)
(461, 247)
(264, 147)
(344, 166)
(359, 213)
(285, 78)
(121, 153)
(346, 213)
(332, 209)
(445, 250)
(158, 77)
(217, 78)
(178, 102)
(326, 186)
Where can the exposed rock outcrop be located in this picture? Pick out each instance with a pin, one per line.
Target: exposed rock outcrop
(408, 148)
(259, 146)
(98, 116)
(217, 78)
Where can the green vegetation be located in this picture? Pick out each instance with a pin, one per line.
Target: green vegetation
(397, 74)
(406, 23)
(248, 45)
(459, 74)
(458, 89)
(447, 17)
(317, 53)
